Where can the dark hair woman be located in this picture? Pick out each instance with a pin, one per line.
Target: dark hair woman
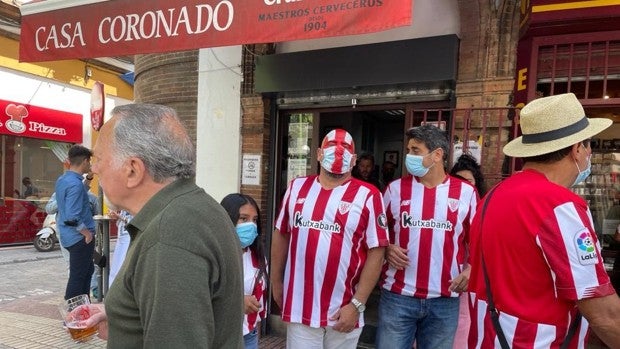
(245, 215)
(466, 167)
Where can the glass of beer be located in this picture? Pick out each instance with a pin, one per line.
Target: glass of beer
(74, 311)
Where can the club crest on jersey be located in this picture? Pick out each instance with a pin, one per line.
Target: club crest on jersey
(382, 221)
(300, 201)
(586, 247)
(344, 207)
(453, 204)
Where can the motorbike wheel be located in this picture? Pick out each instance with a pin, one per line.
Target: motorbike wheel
(44, 244)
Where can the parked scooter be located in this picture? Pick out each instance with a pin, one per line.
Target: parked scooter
(46, 238)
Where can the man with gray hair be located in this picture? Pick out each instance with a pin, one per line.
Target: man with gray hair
(180, 285)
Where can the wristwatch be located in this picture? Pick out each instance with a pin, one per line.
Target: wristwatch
(358, 305)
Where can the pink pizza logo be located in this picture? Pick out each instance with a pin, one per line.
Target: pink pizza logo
(16, 114)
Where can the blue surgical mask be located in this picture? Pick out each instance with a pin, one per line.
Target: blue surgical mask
(330, 156)
(583, 174)
(415, 166)
(247, 233)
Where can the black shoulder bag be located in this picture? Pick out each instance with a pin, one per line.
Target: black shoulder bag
(493, 311)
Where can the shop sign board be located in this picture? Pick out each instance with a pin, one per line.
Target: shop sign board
(128, 27)
(251, 169)
(25, 120)
(97, 105)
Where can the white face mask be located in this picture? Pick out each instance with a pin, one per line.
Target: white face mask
(415, 165)
(582, 175)
(334, 162)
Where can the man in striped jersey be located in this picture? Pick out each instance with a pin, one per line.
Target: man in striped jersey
(428, 213)
(327, 250)
(537, 243)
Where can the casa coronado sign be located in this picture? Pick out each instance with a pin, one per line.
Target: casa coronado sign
(126, 27)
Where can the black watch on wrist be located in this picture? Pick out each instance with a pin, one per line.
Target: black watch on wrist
(358, 305)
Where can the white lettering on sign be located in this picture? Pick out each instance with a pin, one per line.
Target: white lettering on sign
(155, 24)
(278, 2)
(42, 128)
(136, 26)
(69, 32)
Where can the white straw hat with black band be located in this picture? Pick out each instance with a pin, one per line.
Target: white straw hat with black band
(553, 123)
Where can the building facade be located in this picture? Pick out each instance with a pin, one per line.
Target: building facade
(44, 108)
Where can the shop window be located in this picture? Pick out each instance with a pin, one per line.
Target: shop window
(589, 69)
(29, 171)
(299, 151)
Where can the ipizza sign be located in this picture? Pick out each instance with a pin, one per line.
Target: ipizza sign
(25, 120)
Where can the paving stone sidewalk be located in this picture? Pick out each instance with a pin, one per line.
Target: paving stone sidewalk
(32, 286)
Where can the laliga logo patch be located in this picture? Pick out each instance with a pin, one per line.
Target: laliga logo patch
(382, 221)
(453, 204)
(344, 207)
(586, 250)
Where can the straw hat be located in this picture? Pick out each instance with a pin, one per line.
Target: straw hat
(553, 123)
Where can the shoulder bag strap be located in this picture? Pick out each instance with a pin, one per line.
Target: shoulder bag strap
(491, 308)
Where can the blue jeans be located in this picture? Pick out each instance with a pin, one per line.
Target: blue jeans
(81, 268)
(251, 340)
(431, 323)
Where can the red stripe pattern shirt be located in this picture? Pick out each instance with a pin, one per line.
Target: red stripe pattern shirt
(331, 231)
(253, 285)
(542, 255)
(432, 225)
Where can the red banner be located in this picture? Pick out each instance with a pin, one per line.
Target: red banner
(25, 120)
(127, 27)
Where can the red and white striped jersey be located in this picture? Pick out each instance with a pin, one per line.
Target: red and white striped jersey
(542, 255)
(252, 285)
(331, 231)
(432, 225)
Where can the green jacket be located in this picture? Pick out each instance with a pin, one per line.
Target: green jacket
(181, 283)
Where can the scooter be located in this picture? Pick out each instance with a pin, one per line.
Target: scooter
(46, 238)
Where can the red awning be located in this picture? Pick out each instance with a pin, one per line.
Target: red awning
(127, 27)
(25, 120)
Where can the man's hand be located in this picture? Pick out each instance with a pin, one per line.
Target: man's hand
(97, 318)
(88, 237)
(346, 318)
(251, 304)
(460, 283)
(397, 257)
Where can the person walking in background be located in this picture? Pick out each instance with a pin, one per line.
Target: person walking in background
(181, 284)
(333, 225)
(428, 215)
(123, 239)
(245, 214)
(75, 221)
(533, 241)
(467, 168)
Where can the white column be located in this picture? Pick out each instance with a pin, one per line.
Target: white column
(218, 137)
